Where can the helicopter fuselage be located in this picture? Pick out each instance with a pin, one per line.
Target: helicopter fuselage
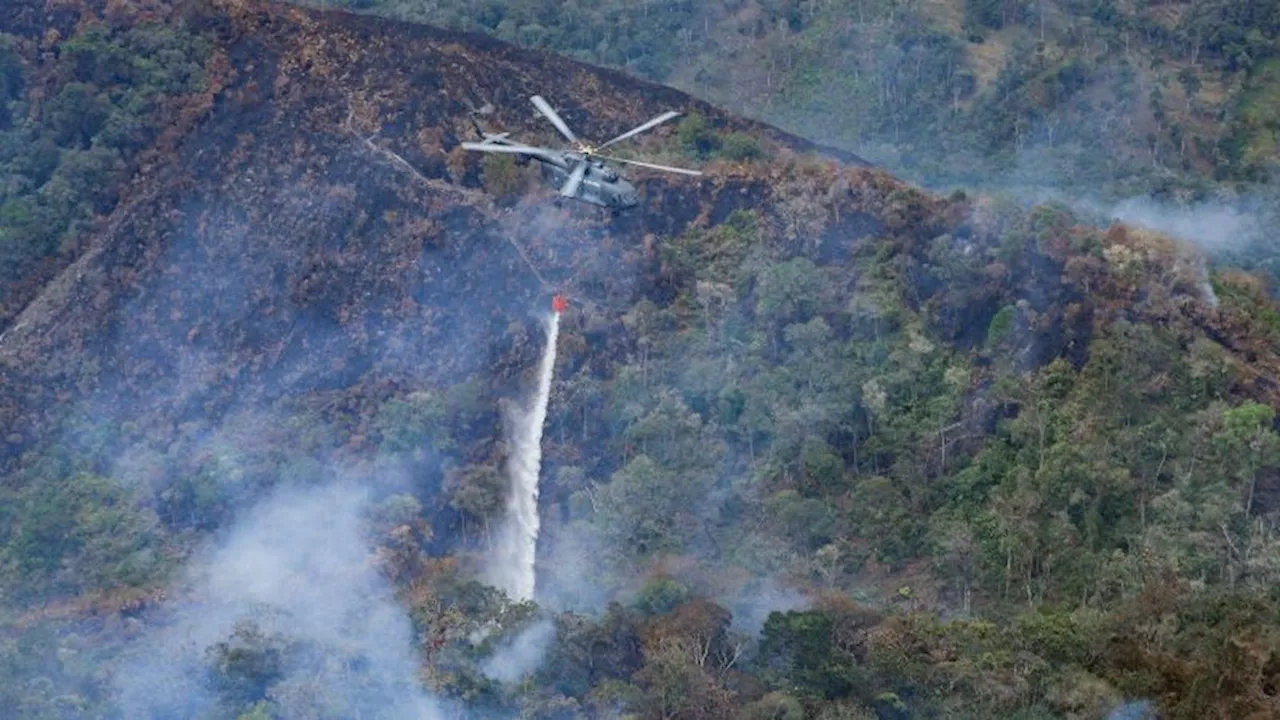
(600, 186)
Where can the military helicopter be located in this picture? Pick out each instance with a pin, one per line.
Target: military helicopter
(580, 173)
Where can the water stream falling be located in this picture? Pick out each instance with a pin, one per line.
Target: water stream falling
(513, 554)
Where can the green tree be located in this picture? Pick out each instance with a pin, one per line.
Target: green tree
(245, 665)
(413, 424)
(76, 114)
(697, 137)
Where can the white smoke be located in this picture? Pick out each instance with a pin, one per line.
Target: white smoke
(521, 655)
(298, 570)
(751, 609)
(512, 563)
(1213, 227)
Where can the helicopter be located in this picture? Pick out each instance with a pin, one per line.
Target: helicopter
(580, 173)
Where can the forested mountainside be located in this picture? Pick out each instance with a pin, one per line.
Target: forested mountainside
(820, 444)
(1097, 102)
(1139, 95)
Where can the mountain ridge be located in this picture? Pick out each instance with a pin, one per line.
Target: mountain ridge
(943, 453)
(257, 20)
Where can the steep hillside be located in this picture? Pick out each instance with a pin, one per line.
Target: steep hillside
(281, 244)
(979, 461)
(86, 101)
(1098, 100)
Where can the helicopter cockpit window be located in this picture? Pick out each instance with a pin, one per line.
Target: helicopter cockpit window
(610, 175)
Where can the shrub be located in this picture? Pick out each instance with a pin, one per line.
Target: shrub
(502, 176)
(741, 147)
(697, 137)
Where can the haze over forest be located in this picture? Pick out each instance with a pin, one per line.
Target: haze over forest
(1093, 101)
(948, 390)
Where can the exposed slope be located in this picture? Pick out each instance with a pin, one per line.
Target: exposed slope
(277, 253)
(792, 372)
(1092, 100)
(278, 172)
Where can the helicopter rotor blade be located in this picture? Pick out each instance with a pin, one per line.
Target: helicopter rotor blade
(544, 154)
(545, 108)
(651, 165)
(639, 129)
(514, 149)
(570, 187)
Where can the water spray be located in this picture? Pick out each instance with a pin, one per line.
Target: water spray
(512, 568)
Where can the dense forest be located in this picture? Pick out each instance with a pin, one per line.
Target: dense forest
(73, 131)
(821, 444)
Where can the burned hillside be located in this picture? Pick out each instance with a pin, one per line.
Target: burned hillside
(790, 382)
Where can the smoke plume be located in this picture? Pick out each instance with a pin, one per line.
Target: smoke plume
(522, 654)
(1214, 227)
(289, 607)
